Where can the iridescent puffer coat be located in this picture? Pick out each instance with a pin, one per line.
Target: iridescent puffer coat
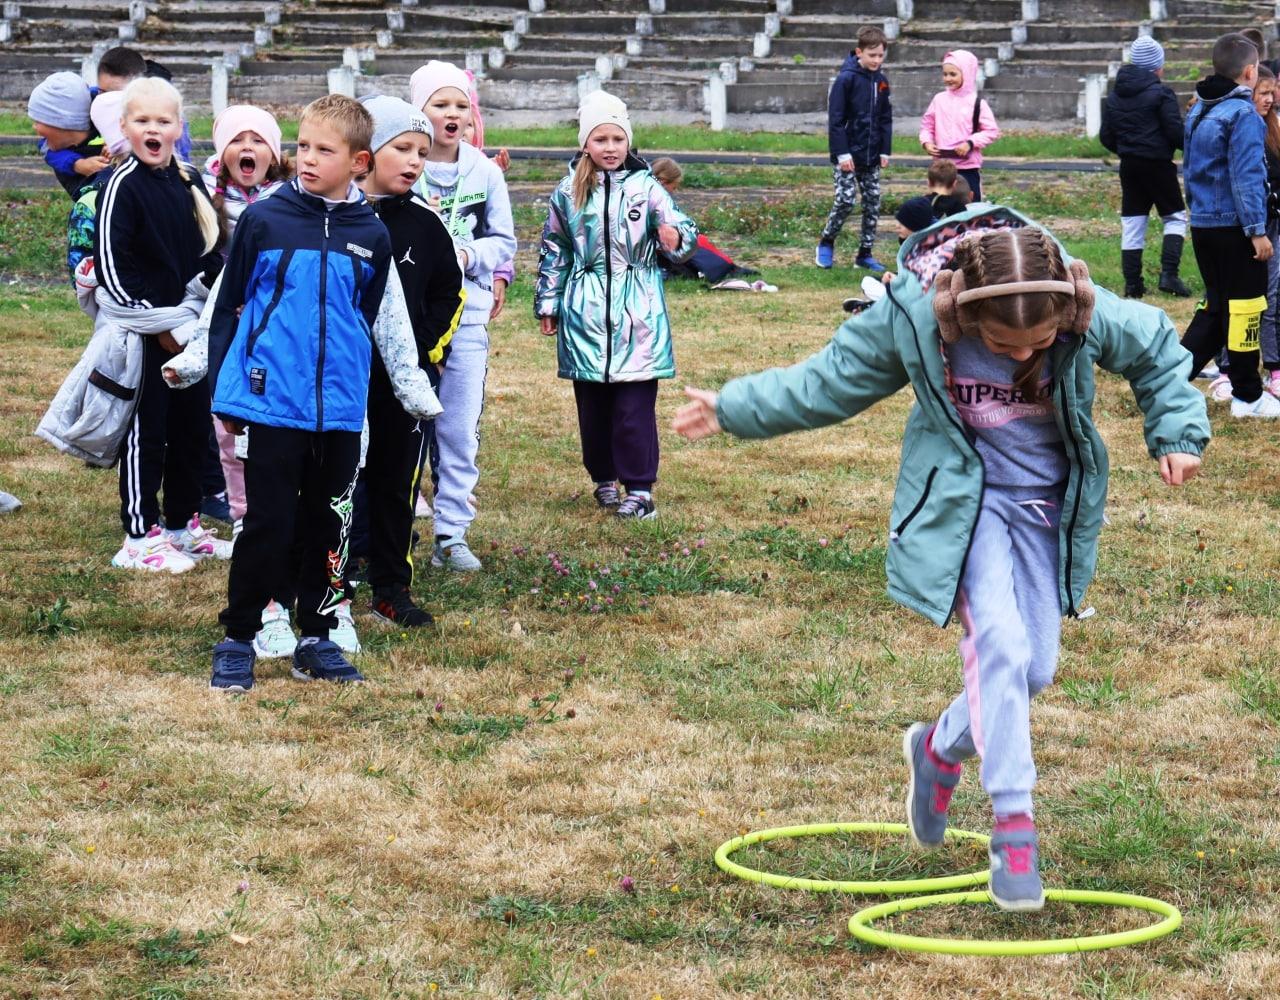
(612, 318)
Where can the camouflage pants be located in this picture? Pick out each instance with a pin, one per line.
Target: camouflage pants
(864, 181)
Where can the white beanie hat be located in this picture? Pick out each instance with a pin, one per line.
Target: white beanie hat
(106, 113)
(436, 75)
(599, 108)
(393, 117)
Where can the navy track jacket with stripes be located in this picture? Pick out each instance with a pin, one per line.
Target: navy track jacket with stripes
(310, 279)
(148, 244)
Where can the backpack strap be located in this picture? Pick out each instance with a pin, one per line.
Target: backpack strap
(977, 110)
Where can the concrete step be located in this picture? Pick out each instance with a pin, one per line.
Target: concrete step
(868, 11)
(663, 24)
(105, 12)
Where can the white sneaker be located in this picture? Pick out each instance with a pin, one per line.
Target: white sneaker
(275, 639)
(1266, 406)
(1220, 388)
(345, 634)
(1210, 370)
(201, 543)
(456, 554)
(154, 552)
(237, 526)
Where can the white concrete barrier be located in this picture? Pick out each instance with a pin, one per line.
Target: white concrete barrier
(761, 45)
(892, 28)
(1031, 10)
(342, 81)
(218, 86)
(1095, 89)
(717, 102)
(906, 10)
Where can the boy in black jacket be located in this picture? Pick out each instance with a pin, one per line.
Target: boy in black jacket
(428, 267)
(860, 139)
(1141, 122)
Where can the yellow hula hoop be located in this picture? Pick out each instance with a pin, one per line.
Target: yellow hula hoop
(860, 925)
(883, 888)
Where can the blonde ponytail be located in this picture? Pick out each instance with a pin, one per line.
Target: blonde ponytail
(153, 88)
(584, 181)
(206, 217)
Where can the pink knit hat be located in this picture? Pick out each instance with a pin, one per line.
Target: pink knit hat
(106, 113)
(245, 118)
(435, 75)
(477, 120)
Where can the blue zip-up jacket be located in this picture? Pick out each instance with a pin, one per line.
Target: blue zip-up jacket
(311, 281)
(859, 115)
(1223, 163)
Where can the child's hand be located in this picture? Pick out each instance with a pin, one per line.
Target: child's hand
(165, 339)
(1262, 248)
(668, 237)
(697, 419)
(963, 148)
(548, 326)
(846, 166)
(87, 166)
(887, 277)
(233, 426)
(931, 149)
(499, 298)
(170, 375)
(503, 159)
(884, 161)
(1177, 468)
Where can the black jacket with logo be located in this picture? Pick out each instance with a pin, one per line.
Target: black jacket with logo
(428, 267)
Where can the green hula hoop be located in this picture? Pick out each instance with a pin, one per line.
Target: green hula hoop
(935, 884)
(860, 925)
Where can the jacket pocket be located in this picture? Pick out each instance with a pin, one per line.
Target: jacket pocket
(282, 269)
(911, 514)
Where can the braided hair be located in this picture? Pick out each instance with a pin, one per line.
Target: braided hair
(1009, 255)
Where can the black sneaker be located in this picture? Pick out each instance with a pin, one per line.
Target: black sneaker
(395, 605)
(607, 496)
(216, 506)
(636, 508)
(232, 666)
(322, 660)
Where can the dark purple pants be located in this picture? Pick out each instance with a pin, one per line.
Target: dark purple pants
(619, 427)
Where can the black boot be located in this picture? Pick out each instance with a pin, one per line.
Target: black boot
(1131, 268)
(1170, 258)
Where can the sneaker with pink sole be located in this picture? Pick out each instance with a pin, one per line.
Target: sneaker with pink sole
(1272, 383)
(198, 542)
(153, 552)
(1220, 388)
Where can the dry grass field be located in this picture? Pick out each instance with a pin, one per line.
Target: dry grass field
(460, 825)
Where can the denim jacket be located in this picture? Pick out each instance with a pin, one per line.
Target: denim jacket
(1223, 165)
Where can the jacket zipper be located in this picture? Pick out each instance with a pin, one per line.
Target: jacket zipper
(324, 283)
(946, 409)
(606, 238)
(1075, 504)
(911, 514)
(281, 268)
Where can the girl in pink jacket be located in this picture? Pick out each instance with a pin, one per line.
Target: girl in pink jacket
(959, 123)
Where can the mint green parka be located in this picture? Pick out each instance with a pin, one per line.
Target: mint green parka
(940, 482)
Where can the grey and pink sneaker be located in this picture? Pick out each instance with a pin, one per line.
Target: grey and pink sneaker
(197, 542)
(1015, 866)
(929, 787)
(153, 552)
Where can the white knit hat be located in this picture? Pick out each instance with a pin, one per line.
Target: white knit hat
(599, 108)
(436, 75)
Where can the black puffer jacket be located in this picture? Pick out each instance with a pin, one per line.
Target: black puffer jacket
(1141, 116)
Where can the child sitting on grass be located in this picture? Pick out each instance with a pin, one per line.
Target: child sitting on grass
(997, 513)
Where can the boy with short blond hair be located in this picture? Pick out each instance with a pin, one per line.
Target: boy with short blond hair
(860, 139)
(290, 356)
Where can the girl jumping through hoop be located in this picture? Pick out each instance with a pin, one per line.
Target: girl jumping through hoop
(1003, 482)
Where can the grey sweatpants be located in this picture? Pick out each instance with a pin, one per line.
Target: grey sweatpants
(458, 429)
(1010, 611)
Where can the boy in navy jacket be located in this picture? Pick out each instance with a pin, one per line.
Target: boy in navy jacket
(860, 139)
(305, 275)
(1141, 122)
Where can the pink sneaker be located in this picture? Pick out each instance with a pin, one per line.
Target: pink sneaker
(1272, 384)
(197, 542)
(1220, 389)
(153, 552)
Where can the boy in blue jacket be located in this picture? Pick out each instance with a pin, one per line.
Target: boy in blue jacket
(1224, 166)
(290, 355)
(860, 139)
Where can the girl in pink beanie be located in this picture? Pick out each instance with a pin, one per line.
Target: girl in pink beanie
(247, 163)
